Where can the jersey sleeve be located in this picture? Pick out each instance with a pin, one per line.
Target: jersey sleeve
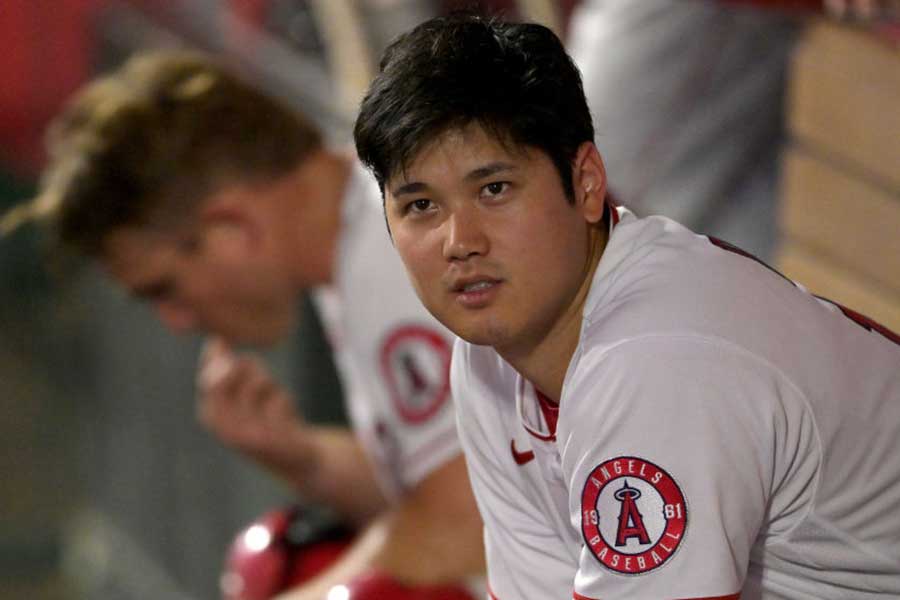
(394, 362)
(414, 366)
(676, 451)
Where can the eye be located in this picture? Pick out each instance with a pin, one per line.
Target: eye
(419, 205)
(495, 188)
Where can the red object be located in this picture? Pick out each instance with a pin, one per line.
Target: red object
(521, 458)
(268, 556)
(379, 586)
(47, 53)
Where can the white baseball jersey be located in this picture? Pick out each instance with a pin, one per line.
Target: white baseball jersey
(392, 356)
(720, 433)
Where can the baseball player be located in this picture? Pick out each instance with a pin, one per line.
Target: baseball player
(645, 412)
(213, 203)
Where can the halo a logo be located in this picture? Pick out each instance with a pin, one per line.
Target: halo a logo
(633, 515)
(415, 362)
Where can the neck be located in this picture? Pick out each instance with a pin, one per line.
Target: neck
(545, 362)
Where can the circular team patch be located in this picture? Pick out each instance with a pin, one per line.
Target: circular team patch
(416, 365)
(633, 515)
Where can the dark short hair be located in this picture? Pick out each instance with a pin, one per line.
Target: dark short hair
(513, 79)
(148, 142)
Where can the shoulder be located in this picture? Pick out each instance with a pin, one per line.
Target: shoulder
(686, 381)
(657, 278)
(647, 356)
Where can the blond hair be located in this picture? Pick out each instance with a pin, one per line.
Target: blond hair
(149, 141)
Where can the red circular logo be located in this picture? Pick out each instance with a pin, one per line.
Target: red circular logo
(633, 515)
(415, 361)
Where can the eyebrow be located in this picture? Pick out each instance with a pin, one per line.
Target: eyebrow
(487, 170)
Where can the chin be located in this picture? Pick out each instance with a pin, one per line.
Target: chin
(475, 338)
(476, 327)
(482, 334)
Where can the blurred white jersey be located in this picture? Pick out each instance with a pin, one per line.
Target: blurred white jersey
(688, 108)
(393, 357)
(720, 432)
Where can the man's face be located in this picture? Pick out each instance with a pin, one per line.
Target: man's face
(206, 280)
(494, 248)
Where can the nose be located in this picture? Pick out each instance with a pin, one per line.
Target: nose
(465, 236)
(176, 317)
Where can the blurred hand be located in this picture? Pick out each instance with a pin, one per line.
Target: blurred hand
(242, 404)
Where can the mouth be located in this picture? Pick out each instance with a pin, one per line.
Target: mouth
(475, 292)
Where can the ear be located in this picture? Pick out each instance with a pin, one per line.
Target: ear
(589, 182)
(230, 228)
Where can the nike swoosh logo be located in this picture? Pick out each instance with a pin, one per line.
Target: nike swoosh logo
(521, 458)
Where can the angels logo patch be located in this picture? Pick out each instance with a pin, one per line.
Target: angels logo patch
(633, 515)
(415, 362)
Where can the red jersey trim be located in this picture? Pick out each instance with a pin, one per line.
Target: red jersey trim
(577, 596)
(549, 410)
(551, 415)
(543, 438)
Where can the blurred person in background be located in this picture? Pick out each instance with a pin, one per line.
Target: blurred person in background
(687, 97)
(220, 208)
(688, 109)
